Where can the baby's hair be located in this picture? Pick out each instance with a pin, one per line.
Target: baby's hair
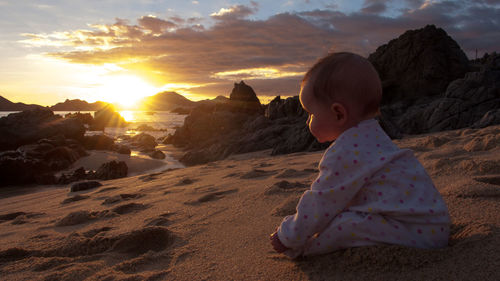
(346, 77)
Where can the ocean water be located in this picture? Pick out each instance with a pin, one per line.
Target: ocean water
(163, 122)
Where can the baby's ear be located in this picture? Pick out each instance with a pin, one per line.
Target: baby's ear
(339, 111)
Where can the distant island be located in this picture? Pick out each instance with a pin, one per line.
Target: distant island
(164, 101)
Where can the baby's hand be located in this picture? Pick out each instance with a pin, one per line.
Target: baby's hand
(277, 245)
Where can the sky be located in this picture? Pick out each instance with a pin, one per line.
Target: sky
(122, 50)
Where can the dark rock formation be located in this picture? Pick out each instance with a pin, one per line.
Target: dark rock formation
(157, 154)
(84, 185)
(7, 105)
(85, 118)
(98, 142)
(470, 101)
(165, 101)
(78, 105)
(15, 169)
(144, 142)
(420, 63)
(112, 170)
(30, 126)
(107, 117)
(243, 99)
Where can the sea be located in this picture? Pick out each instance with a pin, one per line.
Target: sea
(164, 123)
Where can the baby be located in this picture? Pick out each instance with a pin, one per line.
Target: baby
(368, 191)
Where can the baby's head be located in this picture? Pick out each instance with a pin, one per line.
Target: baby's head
(339, 91)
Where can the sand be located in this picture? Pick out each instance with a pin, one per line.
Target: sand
(212, 222)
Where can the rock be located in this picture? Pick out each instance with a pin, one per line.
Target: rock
(61, 157)
(145, 127)
(85, 118)
(98, 142)
(418, 63)
(112, 170)
(18, 170)
(157, 154)
(491, 117)
(465, 103)
(84, 185)
(144, 142)
(107, 117)
(244, 100)
(279, 108)
(28, 127)
(122, 149)
(181, 110)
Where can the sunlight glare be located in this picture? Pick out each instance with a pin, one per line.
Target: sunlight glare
(125, 90)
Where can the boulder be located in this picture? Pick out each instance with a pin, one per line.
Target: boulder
(15, 169)
(144, 142)
(244, 100)
(417, 64)
(157, 154)
(98, 142)
(465, 103)
(28, 127)
(112, 170)
(107, 117)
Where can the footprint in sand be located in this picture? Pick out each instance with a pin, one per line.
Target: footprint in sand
(161, 220)
(285, 187)
(256, 173)
(212, 196)
(74, 199)
(121, 197)
(288, 207)
(129, 208)
(107, 189)
(292, 173)
(93, 232)
(185, 181)
(482, 189)
(19, 217)
(149, 177)
(495, 180)
(80, 217)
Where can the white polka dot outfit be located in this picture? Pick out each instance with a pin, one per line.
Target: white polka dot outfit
(368, 192)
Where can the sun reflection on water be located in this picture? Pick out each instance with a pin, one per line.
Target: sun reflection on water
(128, 115)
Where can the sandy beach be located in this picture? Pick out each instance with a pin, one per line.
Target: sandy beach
(212, 222)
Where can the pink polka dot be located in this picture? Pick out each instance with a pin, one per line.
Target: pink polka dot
(320, 193)
(378, 144)
(355, 161)
(379, 194)
(367, 239)
(401, 201)
(419, 231)
(383, 176)
(431, 211)
(318, 244)
(339, 228)
(355, 145)
(340, 216)
(411, 185)
(305, 216)
(317, 181)
(382, 159)
(327, 214)
(365, 179)
(442, 229)
(435, 201)
(396, 227)
(339, 158)
(336, 173)
(420, 199)
(370, 218)
(342, 188)
(364, 198)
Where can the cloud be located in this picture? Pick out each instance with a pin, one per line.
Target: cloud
(374, 6)
(271, 54)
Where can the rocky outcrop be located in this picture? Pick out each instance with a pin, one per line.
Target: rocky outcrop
(27, 127)
(243, 99)
(419, 63)
(7, 105)
(112, 170)
(107, 117)
(470, 101)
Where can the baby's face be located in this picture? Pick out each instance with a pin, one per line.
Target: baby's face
(321, 119)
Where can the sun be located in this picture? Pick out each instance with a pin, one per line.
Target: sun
(124, 90)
